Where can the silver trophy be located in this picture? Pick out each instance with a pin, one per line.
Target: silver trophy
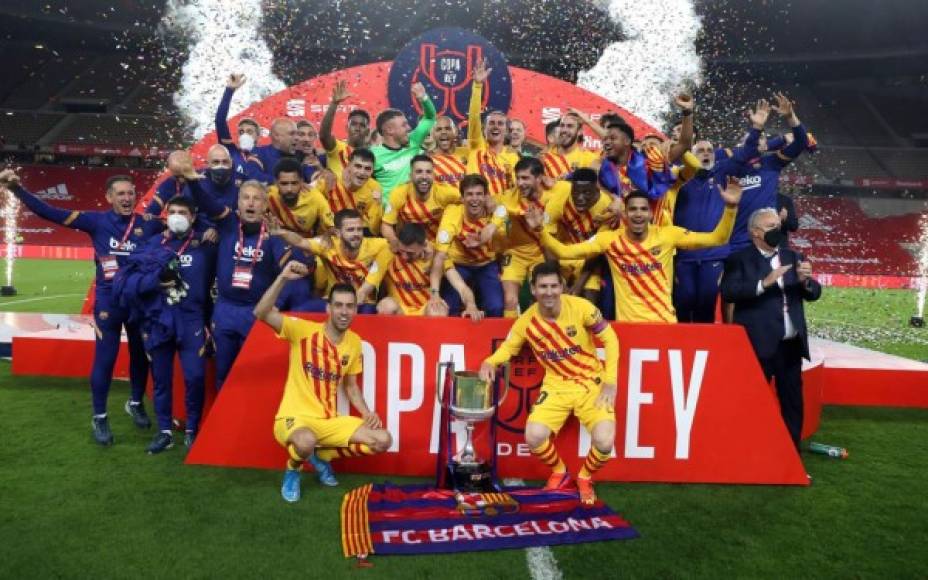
(471, 400)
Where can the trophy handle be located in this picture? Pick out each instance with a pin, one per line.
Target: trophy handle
(505, 386)
(439, 384)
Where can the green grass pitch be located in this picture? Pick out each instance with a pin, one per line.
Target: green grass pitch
(71, 509)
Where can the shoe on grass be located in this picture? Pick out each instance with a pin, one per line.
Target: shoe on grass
(101, 431)
(163, 441)
(189, 438)
(290, 488)
(324, 471)
(136, 410)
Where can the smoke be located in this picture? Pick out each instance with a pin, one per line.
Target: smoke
(223, 37)
(657, 59)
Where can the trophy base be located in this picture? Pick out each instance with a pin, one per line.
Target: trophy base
(471, 477)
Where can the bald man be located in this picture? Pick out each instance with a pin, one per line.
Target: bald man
(261, 162)
(222, 182)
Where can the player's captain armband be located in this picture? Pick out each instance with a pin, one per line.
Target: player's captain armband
(443, 237)
(500, 211)
(599, 323)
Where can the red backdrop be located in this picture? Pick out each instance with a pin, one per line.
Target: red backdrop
(692, 405)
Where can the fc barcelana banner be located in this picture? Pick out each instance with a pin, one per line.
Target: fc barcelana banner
(416, 519)
(692, 404)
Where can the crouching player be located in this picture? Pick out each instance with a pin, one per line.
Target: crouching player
(323, 357)
(559, 329)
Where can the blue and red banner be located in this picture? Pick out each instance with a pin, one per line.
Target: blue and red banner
(418, 519)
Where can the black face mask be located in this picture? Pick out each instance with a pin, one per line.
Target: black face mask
(220, 175)
(773, 237)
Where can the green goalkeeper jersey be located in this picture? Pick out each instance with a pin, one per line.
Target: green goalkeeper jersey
(391, 166)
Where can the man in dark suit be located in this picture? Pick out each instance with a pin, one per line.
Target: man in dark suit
(768, 282)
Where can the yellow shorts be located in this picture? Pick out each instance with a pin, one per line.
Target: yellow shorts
(517, 268)
(554, 405)
(332, 432)
(571, 269)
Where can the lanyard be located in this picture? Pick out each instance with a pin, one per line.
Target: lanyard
(125, 235)
(184, 245)
(241, 243)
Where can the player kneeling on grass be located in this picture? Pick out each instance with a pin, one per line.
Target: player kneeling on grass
(559, 329)
(323, 357)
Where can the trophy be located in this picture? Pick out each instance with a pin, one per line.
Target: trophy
(471, 400)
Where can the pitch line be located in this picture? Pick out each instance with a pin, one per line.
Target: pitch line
(24, 300)
(542, 565)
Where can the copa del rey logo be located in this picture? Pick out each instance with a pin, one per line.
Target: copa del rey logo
(407, 373)
(443, 60)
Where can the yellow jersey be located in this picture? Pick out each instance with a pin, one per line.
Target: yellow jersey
(317, 366)
(336, 159)
(663, 209)
(365, 199)
(558, 165)
(310, 216)
(566, 223)
(406, 207)
(565, 346)
(369, 266)
(450, 167)
(642, 272)
(521, 240)
(497, 168)
(408, 282)
(455, 227)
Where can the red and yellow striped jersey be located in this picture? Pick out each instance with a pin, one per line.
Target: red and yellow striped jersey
(406, 207)
(450, 167)
(369, 266)
(569, 225)
(565, 346)
(663, 208)
(336, 160)
(365, 199)
(557, 165)
(317, 366)
(311, 214)
(455, 228)
(408, 283)
(497, 168)
(521, 240)
(642, 272)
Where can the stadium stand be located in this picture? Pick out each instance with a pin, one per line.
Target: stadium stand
(21, 130)
(119, 130)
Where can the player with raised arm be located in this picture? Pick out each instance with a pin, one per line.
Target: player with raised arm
(325, 357)
(338, 152)
(489, 155)
(400, 144)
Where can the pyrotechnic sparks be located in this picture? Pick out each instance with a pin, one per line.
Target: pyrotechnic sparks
(9, 213)
(657, 58)
(224, 38)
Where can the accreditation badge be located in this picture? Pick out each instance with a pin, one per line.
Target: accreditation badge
(241, 277)
(110, 266)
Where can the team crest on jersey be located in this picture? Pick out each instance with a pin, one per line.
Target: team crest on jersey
(104, 315)
(345, 360)
(571, 331)
(289, 422)
(137, 232)
(443, 59)
(656, 251)
(194, 243)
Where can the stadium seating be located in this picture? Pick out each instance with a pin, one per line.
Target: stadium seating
(119, 130)
(22, 129)
(46, 80)
(904, 163)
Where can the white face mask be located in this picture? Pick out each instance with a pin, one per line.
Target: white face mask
(246, 142)
(178, 223)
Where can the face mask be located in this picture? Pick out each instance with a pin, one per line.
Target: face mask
(177, 223)
(246, 142)
(220, 175)
(773, 237)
